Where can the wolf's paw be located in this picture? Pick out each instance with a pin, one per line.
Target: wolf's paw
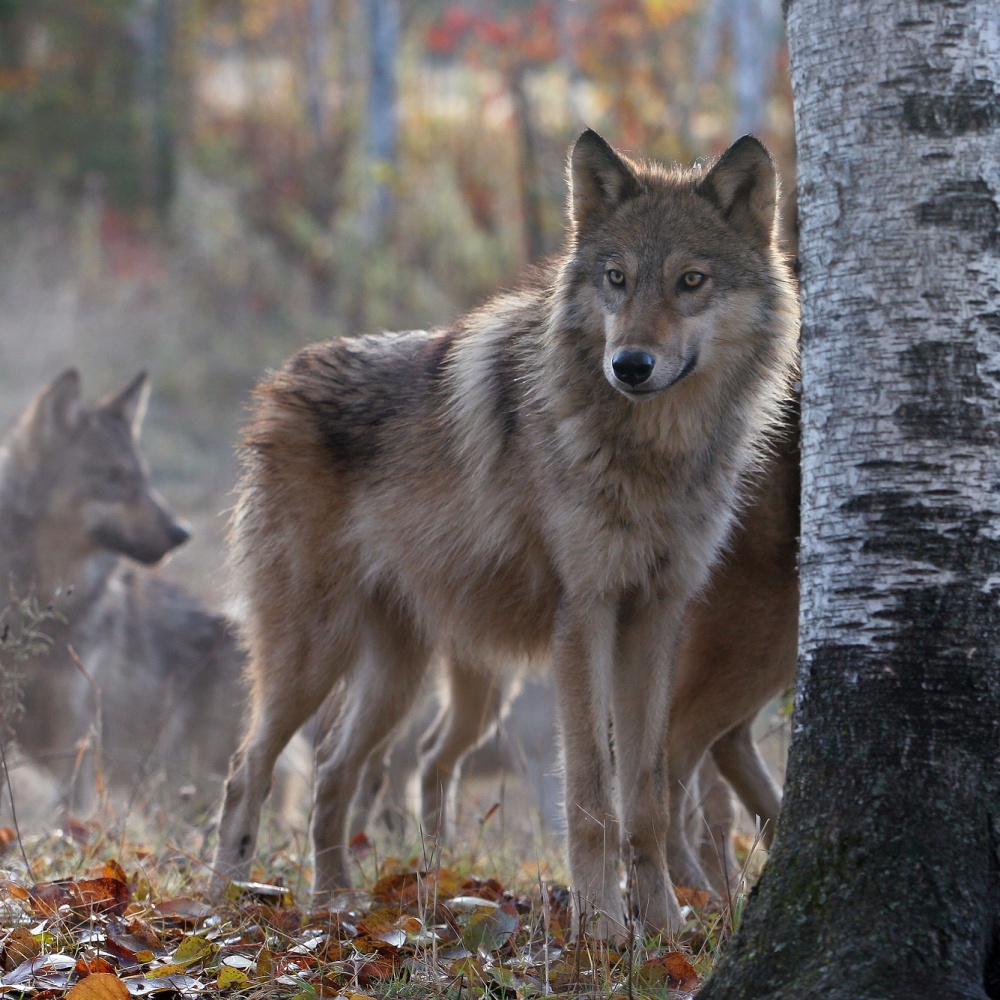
(654, 903)
(600, 920)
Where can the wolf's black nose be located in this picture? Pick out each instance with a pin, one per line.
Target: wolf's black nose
(632, 367)
(178, 534)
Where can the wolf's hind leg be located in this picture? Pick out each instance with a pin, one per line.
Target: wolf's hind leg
(473, 703)
(291, 678)
(392, 663)
(711, 829)
(740, 763)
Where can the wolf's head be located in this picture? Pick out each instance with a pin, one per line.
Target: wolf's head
(89, 482)
(680, 264)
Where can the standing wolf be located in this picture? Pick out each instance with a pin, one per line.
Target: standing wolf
(554, 474)
(75, 498)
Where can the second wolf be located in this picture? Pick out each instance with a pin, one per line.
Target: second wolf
(554, 475)
(159, 691)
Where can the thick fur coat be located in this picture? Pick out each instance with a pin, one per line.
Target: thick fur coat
(553, 475)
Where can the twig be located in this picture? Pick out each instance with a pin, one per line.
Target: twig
(98, 723)
(579, 940)
(546, 925)
(630, 923)
(13, 809)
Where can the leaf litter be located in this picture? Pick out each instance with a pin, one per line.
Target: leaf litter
(106, 934)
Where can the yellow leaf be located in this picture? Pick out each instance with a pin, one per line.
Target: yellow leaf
(228, 976)
(171, 969)
(265, 964)
(194, 949)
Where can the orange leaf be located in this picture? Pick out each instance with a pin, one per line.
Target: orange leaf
(99, 986)
(84, 898)
(114, 870)
(695, 898)
(673, 967)
(94, 965)
(398, 888)
(489, 889)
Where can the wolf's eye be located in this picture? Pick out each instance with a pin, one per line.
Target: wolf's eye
(691, 280)
(615, 277)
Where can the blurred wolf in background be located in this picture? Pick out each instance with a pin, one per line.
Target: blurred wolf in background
(554, 475)
(79, 521)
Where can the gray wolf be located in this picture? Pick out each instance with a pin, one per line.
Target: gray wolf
(737, 651)
(79, 524)
(553, 476)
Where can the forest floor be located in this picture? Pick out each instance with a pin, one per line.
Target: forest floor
(106, 910)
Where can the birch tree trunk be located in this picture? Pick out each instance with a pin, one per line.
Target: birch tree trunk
(885, 877)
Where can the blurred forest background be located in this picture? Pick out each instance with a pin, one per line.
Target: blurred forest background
(199, 187)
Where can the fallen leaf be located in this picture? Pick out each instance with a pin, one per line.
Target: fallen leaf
(93, 965)
(83, 898)
(99, 986)
(140, 986)
(38, 967)
(470, 968)
(230, 977)
(21, 945)
(672, 969)
(184, 909)
(134, 935)
(400, 887)
(112, 869)
(273, 895)
(193, 949)
(489, 889)
(698, 899)
(489, 928)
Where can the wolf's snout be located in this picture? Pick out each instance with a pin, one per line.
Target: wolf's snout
(632, 367)
(179, 533)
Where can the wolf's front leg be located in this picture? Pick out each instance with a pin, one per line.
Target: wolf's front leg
(581, 663)
(647, 640)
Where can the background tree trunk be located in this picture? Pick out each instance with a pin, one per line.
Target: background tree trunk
(155, 31)
(382, 21)
(885, 878)
(315, 69)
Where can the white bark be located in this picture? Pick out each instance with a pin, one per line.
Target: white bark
(902, 346)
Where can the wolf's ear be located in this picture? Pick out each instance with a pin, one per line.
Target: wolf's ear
(55, 411)
(744, 186)
(599, 180)
(129, 402)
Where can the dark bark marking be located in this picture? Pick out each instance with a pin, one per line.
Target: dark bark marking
(973, 106)
(947, 390)
(969, 207)
(949, 537)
